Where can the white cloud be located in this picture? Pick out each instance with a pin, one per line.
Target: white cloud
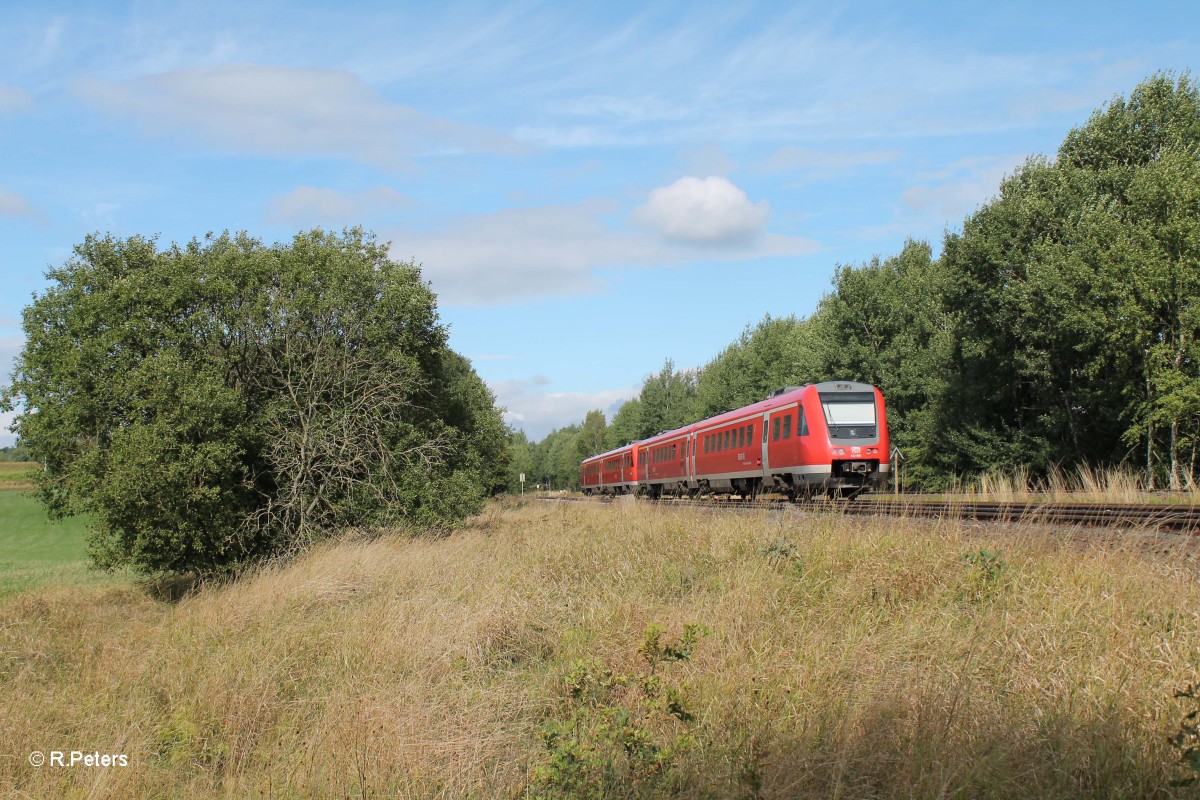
(287, 110)
(703, 211)
(957, 190)
(516, 254)
(323, 205)
(13, 99)
(13, 205)
(537, 412)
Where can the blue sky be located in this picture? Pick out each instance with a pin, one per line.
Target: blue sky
(590, 188)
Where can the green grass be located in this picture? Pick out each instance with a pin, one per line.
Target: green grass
(37, 552)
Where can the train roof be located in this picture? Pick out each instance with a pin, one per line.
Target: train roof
(779, 398)
(785, 398)
(613, 452)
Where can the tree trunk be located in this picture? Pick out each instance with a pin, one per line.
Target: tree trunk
(1174, 455)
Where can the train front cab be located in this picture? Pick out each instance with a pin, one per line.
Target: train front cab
(846, 440)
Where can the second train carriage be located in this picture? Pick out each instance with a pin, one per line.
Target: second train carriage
(614, 472)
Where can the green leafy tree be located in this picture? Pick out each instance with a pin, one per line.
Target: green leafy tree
(885, 324)
(592, 434)
(667, 400)
(557, 457)
(626, 425)
(223, 401)
(520, 462)
(1074, 294)
(773, 354)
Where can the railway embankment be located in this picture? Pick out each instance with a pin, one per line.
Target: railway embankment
(624, 650)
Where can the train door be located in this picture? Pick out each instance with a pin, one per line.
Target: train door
(783, 438)
(691, 461)
(766, 430)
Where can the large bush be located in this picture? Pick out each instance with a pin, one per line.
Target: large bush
(212, 404)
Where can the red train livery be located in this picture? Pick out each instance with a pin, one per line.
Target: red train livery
(826, 437)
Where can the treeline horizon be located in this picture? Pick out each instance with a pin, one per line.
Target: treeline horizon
(1056, 329)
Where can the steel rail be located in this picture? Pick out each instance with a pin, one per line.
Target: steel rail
(1161, 517)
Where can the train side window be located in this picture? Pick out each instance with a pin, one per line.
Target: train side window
(727, 433)
(775, 430)
(765, 429)
(742, 436)
(787, 427)
(750, 435)
(803, 424)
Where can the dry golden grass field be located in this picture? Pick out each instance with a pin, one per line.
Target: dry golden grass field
(16, 474)
(541, 650)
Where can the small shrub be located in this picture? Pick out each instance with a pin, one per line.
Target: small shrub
(1187, 740)
(780, 551)
(986, 571)
(624, 733)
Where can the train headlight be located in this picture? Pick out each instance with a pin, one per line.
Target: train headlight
(838, 451)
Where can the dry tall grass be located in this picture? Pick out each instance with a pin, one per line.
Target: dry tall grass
(849, 658)
(1083, 484)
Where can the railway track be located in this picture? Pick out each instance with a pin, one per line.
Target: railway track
(1156, 517)
(1176, 519)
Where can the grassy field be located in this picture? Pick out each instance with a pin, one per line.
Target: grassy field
(16, 474)
(36, 552)
(544, 650)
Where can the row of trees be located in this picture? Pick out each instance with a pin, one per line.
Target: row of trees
(1058, 327)
(213, 404)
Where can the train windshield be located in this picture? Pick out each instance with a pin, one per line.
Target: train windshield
(849, 414)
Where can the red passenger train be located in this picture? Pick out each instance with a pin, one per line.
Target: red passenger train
(826, 437)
